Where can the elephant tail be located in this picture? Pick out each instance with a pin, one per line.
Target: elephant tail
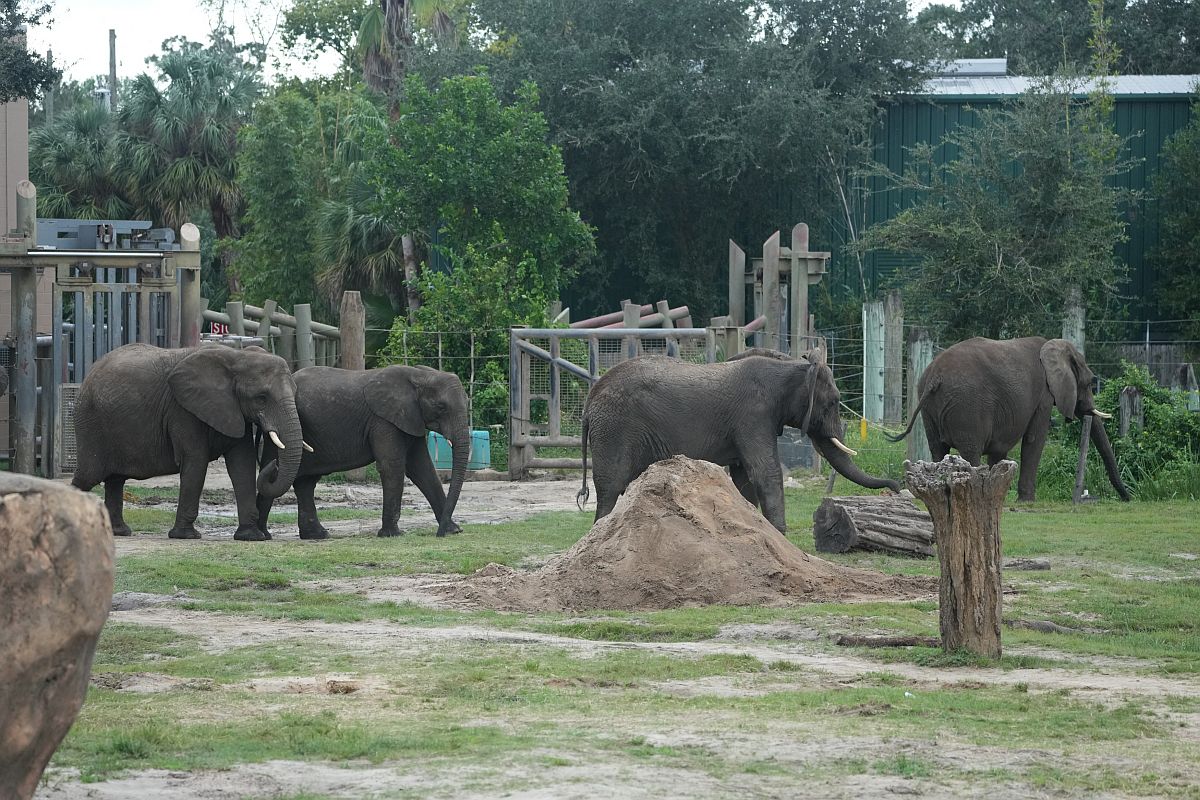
(581, 497)
(916, 412)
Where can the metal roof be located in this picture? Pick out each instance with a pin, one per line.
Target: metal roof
(992, 86)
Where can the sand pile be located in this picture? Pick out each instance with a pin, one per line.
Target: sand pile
(681, 535)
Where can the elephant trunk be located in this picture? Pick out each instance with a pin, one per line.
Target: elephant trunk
(461, 440)
(1100, 437)
(275, 478)
(842, 463)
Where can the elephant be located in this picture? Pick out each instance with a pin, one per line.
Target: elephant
(654, 407)
(983, 396)
(355, 417)
(144, 411)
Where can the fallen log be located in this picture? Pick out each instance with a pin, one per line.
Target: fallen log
(849, 640)
(889, 524)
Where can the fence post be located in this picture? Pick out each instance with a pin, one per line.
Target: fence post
(920, 355)
(287, 345)
(516, 394)
(893, 357)
(24, 318)
(872, 321)
(965, 504)
(1131, 410)
(305, 354)
(737, 284)
(237, 317)
(1075, 319)
(190, 308)
(264, 327)
(772, 303)
(633, 313)
(1085, 439)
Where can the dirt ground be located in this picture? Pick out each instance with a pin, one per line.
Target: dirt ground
(1106, 681)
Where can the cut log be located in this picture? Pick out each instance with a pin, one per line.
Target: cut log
(889, 524)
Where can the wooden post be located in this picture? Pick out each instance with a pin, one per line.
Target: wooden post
(737, 284)
(24, 326)
(264, 327)
(893, 358)
(965, 503)
(772, 302)
(633, 315)
(190, 307)
(1131, 410)
(920, 356)
(237, 317)
(1074, 319)
(287, 345)
(517, 389)
(305, 352)
(872, 317)
(1085, 439)
(353, 316)
(664, 308)
(798, 291)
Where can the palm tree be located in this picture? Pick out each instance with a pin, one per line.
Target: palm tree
(73, 164)
(177, 146)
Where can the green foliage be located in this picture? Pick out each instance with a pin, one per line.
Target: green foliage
(313, 27)
(1178, 253)
(22, 73)
(683, 124)
(1025, 212)
(1159, 462)
(73, 164)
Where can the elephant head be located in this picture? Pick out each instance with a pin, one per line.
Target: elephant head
(230, 389)
(416, 399)
(1069, 380)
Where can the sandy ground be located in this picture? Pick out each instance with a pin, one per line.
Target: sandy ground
(570, 774)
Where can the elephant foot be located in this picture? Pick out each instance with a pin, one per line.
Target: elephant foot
(250, 533)
(452, 527)
(318, 532)
(392, 531)
(122, 530)
(187, 532)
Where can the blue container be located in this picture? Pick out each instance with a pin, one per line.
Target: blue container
(443, 454)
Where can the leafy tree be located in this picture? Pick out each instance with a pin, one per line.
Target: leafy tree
(73, 164)
(314, 27)
(684, 124)
(1178, 253)
(177, 146)
(22, 73)
(1025, 212)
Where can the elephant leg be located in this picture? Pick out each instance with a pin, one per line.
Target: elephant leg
(767, 481)
(191, 483)
(423, 474)
(264, 514)
(114, 501)
(306, 508)
(938, 450)
(239, 461)
(973, 455)
(391, 458)
(737, 474)
(1032, 444)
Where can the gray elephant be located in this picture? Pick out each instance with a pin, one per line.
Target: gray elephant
(651, 408)
(355, 417)
(143, 411)
(983, 397)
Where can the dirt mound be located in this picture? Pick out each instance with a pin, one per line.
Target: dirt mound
(681, 535)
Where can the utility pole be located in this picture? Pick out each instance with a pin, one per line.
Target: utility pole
(112, 69)
(49, 102)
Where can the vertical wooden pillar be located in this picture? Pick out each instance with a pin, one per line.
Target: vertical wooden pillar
(772, 303)
(1085, 440)
(305, 349)
(24, 325)
(798, 291)
(965, 503)
(1075, 319)
(353, 316)
(190, 309)
(893, 357)
(633, 315)
(264, 327)
(1131, 410)
(737, 284)
(872, 320)
(237, 317)
(920, 356)
(517, 389)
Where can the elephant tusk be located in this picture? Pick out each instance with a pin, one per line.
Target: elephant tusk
(1101, 414)
(838, 444)
(307, 446)
(278, 442)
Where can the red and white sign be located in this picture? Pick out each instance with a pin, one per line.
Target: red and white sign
(218, 327)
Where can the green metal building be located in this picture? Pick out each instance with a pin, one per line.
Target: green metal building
(1149, 109)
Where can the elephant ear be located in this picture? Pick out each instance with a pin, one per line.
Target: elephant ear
(393, 395)
(203, 384)
(1058, 357)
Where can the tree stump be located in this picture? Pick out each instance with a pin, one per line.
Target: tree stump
(56, 581)
(965, 503)
(888, 524)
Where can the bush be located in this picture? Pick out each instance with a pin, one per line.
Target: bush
(1162, 461)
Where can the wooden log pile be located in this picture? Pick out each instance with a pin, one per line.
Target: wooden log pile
(888, 524)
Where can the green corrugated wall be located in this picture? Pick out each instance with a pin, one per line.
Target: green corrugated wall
(1149, 121)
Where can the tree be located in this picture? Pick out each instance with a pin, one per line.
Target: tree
(22, 73)
(177, 146)
(1178, 252)
(73, 164)
(318, 26)
(1025, 212)
(685, 124)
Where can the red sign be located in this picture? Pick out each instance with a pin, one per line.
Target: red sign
(218, 327)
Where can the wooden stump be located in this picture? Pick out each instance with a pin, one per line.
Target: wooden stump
(874, 522)
(965, 503)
